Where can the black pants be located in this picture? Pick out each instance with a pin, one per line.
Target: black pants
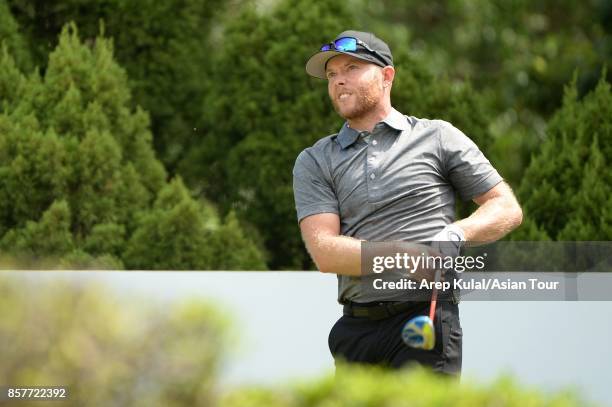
(361, 340)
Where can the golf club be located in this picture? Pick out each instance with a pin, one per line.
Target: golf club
(419, 331)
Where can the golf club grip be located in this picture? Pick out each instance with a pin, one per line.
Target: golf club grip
(434, 297)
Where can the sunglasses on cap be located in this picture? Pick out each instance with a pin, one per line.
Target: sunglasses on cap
(349, 44)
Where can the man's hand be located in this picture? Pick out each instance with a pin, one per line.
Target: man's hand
(449, 240)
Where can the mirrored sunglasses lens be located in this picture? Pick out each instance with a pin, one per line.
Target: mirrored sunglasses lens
(346, 44)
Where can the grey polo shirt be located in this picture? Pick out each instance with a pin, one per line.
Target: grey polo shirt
(396, 183)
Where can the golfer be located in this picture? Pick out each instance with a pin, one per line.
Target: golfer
(386, 176)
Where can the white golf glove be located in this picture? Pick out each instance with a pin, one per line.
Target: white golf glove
(449, 240)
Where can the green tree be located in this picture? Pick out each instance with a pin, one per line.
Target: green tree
(262, 109)
(567, 190)
(200, 240)
(164, 45)
(12, 38)
(525, 50)
(77, 167)
(48, 237)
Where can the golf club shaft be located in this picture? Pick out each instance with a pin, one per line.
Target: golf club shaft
(434, 296)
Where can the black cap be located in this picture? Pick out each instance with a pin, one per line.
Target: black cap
(317, 63)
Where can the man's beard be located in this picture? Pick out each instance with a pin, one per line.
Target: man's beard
(366, 102)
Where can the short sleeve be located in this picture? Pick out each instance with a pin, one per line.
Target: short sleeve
(312, 188)
(467, 169)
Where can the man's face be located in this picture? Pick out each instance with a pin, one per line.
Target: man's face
(355, 86)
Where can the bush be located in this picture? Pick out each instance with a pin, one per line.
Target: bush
(375, 387)
(108, 350)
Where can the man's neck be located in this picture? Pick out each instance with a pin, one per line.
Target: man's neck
(367, 123)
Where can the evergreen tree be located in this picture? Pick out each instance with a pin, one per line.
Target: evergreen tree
(524, 51)
(163, 45)
(49, 237)
(78, 172)
(567, 190)
(199, 240)
(12, 38)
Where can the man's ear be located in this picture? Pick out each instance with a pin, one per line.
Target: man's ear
(388, 75)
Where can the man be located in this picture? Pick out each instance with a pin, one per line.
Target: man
(389, 177)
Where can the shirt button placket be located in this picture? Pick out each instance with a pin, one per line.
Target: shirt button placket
(371, 166)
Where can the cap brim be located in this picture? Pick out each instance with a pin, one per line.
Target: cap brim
(315, 66)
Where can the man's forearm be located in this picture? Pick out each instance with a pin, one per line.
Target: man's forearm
(492, 220)
(337, 254)
(342, 255)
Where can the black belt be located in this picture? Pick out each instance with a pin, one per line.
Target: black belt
(380, 310)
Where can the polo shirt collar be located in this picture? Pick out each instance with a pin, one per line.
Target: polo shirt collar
(347, 136)
(395, 120)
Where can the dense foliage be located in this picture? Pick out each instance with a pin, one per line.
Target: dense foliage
(368, 386)
(79, 178)
(215, 94)
(108, 350)
(164, 46)
(567, 189)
